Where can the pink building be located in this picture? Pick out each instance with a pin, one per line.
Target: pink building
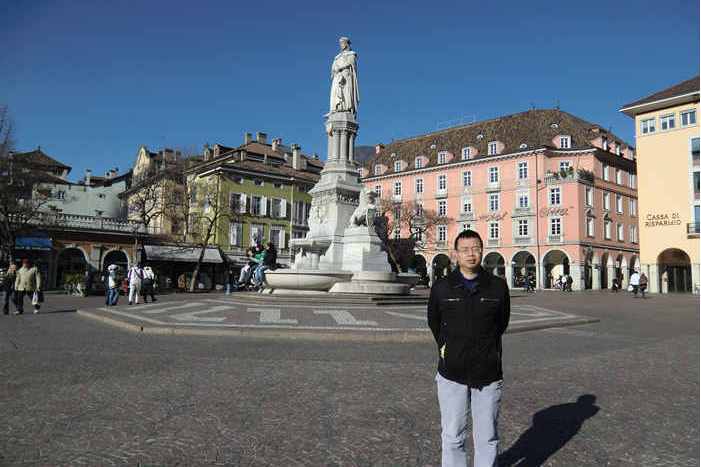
(548, 192)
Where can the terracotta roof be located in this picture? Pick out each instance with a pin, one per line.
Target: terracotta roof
(680, 89)
(267, 169)
(534, 128)
(39, 157)
(43, 177)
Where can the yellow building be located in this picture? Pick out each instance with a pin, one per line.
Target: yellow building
(667, 140)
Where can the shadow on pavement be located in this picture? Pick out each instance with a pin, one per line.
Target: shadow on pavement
(552, 428)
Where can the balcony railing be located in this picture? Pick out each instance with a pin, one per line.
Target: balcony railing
(493, 186)
(522, 240)
(492, 242)
(467, 216)
(554, 238)
(692, 229)
(441, 193)
(520, 211)
(61, 220)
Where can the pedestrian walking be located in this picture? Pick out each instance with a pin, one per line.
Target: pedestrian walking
(642, 283)
(634, 281)
(148, 284)
(135, 278)
(530, 283)
(568, 282)
(7, 286)
(112, 285)
(469, 353)
(27, 283)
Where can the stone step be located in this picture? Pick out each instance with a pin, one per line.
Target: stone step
(336, 299)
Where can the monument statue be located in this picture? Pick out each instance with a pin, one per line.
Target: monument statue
(364, 214)
(344, 80)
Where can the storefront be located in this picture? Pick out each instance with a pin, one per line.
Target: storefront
(174, 266)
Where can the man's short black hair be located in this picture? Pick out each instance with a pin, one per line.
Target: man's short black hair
(467, 233)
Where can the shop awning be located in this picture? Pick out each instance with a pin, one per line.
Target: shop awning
(33, 243)
(181, 253)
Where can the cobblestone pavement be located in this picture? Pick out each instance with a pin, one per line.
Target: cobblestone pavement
(623, 391)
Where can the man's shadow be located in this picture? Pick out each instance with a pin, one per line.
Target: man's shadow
(552, 428)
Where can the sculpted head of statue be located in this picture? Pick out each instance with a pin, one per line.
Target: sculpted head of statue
(344, 43)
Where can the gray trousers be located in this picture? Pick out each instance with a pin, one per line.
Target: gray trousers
(455, 400)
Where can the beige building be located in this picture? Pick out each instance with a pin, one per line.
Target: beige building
(667, 137)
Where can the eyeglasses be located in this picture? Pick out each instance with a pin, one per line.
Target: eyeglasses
(476, 250)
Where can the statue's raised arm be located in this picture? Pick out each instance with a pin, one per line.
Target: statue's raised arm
(344, 80)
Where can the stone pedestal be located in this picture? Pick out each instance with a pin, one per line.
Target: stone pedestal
(576, 273)
(362, 251)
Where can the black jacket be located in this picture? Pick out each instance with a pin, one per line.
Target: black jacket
(470, 325)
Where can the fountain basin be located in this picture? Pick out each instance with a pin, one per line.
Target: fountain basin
(304, 281)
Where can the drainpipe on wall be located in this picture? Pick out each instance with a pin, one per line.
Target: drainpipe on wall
(539, 272)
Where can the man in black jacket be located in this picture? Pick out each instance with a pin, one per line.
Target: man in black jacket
(468, 312)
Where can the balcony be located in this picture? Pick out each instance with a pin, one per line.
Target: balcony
(555, 239)
(467, 216)
(493, 186)
(73, 221)
(397, 198)
(522, 182)
(441, 193)
(492, 242)
(692, 229)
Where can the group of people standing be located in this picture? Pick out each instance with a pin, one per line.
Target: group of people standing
(16, 284)
(139, 281)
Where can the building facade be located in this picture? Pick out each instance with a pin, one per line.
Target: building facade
(548, 192)
(667, 140)
(263, 187)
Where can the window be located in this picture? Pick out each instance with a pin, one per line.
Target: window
(619, 176)
(555, 226)
(604, 171)
(442, 183)
(619, 232)
(235, 202)
(494, 202)
(466, 205)
(633, 207)
(607, 201)
(619, 204)
(397, 166)
(632, 179)
(397, 188)
(590, 226)
(492, 148)
(418, 163)
(397, 233)
(523, 227)
(442, 233)
(618, 149)
(633, 234)
(523, 201)
(277, 185)
(493, 230)
(605, 143)
(378, 191)
(667, 122)
(522, 170)
(419, 209)
(257, 232)
(278, 208)
(235, 234)
(442, 157)
(493, 174)
(466, 226)
(647, 126)
(258, 182)
(565, 142)
(688, 117)
(419, 185)
(256, 205)
(60, 194)
(564, 165)
(467, 178)
(589, 196)
(607, 229)
(466, 153)
(377, 170)
(443, 208)
(277, 236)
(555, 196)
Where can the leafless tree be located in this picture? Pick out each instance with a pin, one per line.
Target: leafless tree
(406, 228)
(21, 198)
(208, 214)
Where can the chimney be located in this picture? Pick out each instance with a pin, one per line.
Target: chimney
(277, 142)
(247, 138)
(217, 151)
(242, 154)
(296, 157)
(206, 152)
(379, 148)
(88, 175)
(261, 137)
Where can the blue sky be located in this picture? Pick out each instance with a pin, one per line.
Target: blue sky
(91, 81)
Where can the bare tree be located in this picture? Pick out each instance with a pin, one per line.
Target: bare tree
(406, 228)
(209, 212)
(21, 197)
